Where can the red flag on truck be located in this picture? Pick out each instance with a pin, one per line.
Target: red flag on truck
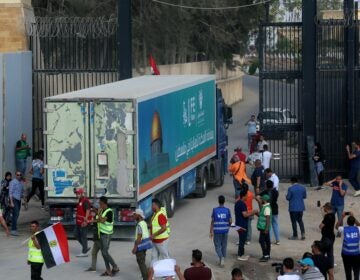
(54, 245)
(154, 69)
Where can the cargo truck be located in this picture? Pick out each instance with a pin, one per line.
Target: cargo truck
(133, 140)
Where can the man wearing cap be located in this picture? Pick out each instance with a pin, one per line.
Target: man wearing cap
(237, 169)
(264, 226)
(309, 271)
(142, 242)
(159, 232)
(83, 217)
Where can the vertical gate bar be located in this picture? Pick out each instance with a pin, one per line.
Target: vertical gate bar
(309, 74)
(261, 66)
(350, 60)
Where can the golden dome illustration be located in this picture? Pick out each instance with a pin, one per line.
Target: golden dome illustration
(156, 132)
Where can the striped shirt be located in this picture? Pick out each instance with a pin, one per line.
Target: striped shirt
(16, 189)
(313, 273)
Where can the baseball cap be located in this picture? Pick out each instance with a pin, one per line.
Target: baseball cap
(140, 212)
(79, 191)
(306, 261)
(265, 197)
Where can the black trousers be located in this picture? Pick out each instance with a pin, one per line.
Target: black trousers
(264, 240)
(36, 271)
(296, 217)
(37, 183)
(351, 265)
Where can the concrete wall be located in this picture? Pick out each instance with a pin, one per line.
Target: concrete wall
(13, 14)
(229, 81)
(15, 105)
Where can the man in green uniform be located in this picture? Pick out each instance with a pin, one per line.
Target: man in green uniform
(264, 226)
(22, 152)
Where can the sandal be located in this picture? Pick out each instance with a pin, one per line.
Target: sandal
(106, 274)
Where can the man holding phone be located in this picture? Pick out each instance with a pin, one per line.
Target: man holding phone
(338, 195)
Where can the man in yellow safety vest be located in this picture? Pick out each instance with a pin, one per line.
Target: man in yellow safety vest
(142, 242)
(160, 231)
(35, 257)
(105, 223)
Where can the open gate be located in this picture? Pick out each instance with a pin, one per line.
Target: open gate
(280, 81)
(336, 87)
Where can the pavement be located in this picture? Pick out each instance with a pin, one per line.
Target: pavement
(189, 229)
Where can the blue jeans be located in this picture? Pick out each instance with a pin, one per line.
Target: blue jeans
(275, 227)
(353, 178)
(237, 187)
(15, 214)
(21, 166)
(338, 210)
(220, 243)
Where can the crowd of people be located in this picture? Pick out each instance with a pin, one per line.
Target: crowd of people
(256, 198)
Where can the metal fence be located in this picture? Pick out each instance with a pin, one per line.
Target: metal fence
(69, 54)
(280, 95)
(337, 83)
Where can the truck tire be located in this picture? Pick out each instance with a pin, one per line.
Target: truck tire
(203, 185)
(171, 203)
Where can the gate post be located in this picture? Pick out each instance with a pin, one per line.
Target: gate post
(309, 76)
(124, 49)
(349, 61)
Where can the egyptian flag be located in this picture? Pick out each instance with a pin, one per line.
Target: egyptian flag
(54, 245)
(154, 69)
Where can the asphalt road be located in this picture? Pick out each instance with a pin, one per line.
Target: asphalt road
(189, 228)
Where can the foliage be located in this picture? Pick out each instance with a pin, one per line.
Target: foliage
(172, 34)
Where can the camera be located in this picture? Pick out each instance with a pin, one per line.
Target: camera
(347, 213)
(278, 268)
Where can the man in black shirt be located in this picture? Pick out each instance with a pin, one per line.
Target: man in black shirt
(257, 177)
(327, 231)
(323, 263)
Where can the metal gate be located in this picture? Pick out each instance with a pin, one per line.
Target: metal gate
(69, 54)
(280, 81)
(336, 94)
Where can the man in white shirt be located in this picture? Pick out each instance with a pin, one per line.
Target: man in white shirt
(266, 157)
(261, 143)
(288, 268)
(270, 175)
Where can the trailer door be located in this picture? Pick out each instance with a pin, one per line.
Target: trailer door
(112, 141)
(67, 148)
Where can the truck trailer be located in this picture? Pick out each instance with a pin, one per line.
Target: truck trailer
(133, 140)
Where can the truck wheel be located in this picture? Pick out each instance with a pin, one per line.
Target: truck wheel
(171, 203)
(203, 185)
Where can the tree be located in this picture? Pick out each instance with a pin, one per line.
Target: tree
(173, 34)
